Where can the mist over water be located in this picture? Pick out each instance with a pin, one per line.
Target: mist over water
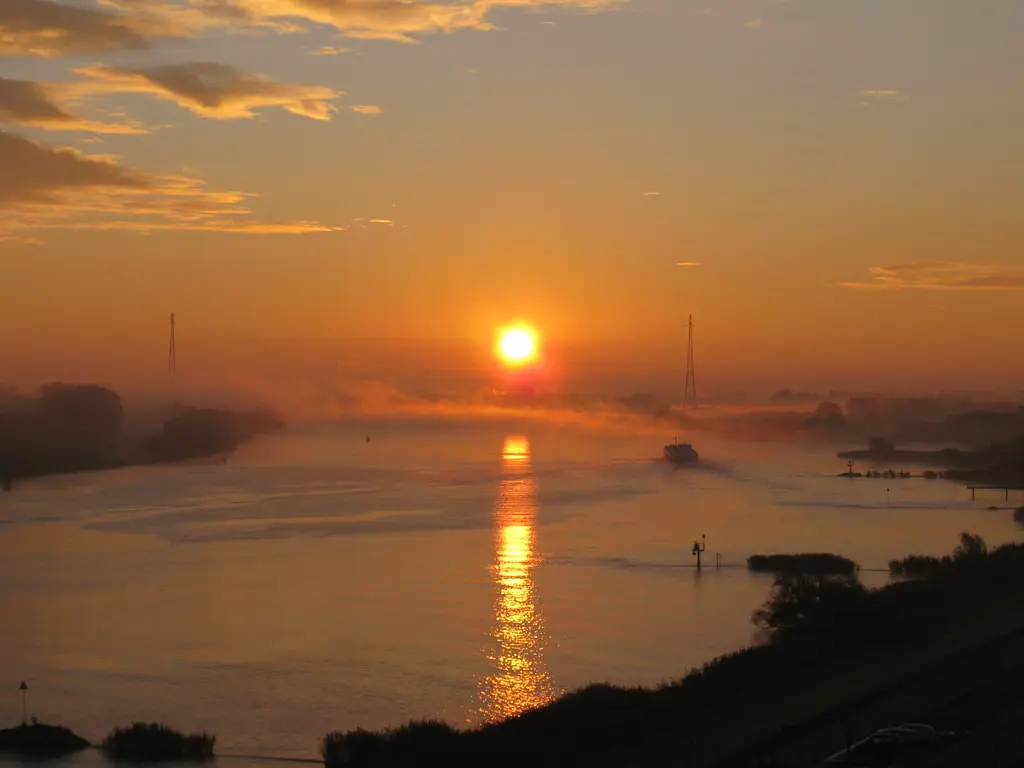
(461, 570)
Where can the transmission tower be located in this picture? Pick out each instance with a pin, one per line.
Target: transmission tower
(172, 355)
(690, 391)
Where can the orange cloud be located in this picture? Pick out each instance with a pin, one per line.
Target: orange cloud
(367, 109)
(881, 95)
(395, 20)
(49, 188)
(945, 276)
(27, 103)
(208, 89)
(328, 50)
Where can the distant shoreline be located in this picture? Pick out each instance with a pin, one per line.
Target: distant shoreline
(71, 429)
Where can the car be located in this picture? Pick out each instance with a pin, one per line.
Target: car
(891, 746)
(878, 749)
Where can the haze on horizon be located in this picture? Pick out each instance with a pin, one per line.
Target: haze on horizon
(325, 191)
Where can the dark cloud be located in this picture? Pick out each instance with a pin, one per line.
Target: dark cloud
(45, 28)
(46, 187)
(28, 103)
(209, 89)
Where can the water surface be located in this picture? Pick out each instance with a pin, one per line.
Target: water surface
(320, 582)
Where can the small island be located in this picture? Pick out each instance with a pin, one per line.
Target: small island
(41, 741)
(999, 463)
(820, 563)
(881, 449)
(153, 742)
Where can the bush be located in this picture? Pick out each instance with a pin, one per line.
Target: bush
(39, 740)
(411, 744)
(815, 562)
(156, 741)
(809, 604)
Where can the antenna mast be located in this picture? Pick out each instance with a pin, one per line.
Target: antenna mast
(690, 391)
(172, 355)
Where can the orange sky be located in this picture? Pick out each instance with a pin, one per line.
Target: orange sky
(383, 191)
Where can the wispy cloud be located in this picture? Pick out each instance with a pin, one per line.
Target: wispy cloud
(753, 23)
(208, 89)
(45, 187)
(881, 95)
(687, 263)
(651, 194)
(381, 34)
(328, 50)
(395, 20)
(944, 276)
(45, 28)
(24, 102)
(367, 109)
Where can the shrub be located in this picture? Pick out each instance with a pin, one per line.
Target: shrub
(413, 743)
(814, 562)
(40, 740)
(156, 741)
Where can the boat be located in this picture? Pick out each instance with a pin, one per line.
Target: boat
(681, 453)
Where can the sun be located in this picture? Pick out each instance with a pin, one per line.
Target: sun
(517, 345)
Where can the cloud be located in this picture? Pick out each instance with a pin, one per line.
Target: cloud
(395, 20)
(367, 109)
(208, 89)
(328, 50)
(44, 187)
(651, 194)
(381, 34)
(880, 95)
(687, 263)
(27, 103)
(753, 24)
(944, 276)
(47, 29)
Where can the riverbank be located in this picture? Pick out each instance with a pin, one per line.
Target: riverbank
(70, 429)
(831, 642)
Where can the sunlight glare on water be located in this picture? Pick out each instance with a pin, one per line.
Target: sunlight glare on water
(521, 680)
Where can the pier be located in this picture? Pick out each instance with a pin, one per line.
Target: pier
(1004, 488)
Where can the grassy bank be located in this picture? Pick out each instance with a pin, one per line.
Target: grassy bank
(829, 637)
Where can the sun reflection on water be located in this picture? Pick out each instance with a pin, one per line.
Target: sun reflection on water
(520, 680)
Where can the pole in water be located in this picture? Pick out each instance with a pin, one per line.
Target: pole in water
(24, 702)
(698, 548)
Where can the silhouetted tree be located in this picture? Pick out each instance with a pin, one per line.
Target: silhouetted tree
(812, 604)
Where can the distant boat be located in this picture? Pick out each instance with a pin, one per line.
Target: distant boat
(681, 453)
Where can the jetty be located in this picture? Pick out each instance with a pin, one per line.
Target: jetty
(1004, 488)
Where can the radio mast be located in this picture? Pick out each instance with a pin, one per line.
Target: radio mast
(690, 390)
(172, 355)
